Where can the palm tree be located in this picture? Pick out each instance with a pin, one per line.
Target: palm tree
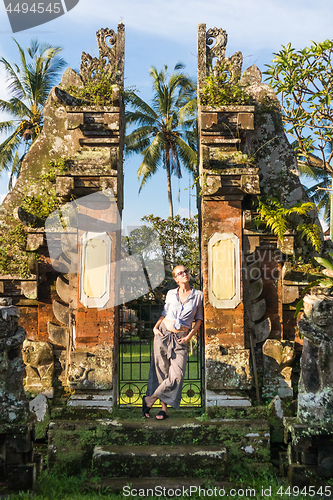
(166, 135)
(320, 192)
(29, 84)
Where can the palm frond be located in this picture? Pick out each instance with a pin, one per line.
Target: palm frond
(140, 118)
(140, 106)
(139, 139)
(13, 78)
(151, 162)
(166, 133)
(7, 126)
(29, 84)
(16, 168)
(8, 149)
(187, 155)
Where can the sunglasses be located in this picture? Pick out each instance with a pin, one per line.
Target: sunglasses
(186, 271)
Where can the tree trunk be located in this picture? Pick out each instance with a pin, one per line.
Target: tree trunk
(167, 168)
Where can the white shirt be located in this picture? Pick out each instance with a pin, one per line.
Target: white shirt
(183, 314)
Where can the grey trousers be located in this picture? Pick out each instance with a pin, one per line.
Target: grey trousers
(167, 367)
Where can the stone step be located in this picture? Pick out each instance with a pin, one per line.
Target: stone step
(171, 461)
(73, 441)
(172, 431)
(162, 486)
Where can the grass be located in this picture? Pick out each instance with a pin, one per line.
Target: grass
(134, 370)
(258, 485)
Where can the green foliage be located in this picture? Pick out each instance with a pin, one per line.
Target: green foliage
(325, 281)
(303, 80)
(280, 219)
(97, 92)
(178, 239)
(13, 256)
(41, 205)
(219, 91)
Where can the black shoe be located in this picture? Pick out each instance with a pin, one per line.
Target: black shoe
(145, 409)
(162, 414)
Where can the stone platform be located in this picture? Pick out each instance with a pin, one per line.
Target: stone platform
(178, 447)
(310, 451)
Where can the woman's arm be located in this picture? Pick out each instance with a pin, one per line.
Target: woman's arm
(155, 329)
(192, 332)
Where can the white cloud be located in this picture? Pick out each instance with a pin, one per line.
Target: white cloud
(183, 212)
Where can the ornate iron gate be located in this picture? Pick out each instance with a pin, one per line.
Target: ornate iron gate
(136, 346)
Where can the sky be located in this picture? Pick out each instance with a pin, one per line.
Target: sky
(162, 32)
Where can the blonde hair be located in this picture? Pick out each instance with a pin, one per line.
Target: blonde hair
(174, 269)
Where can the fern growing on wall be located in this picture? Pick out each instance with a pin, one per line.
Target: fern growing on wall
(280, 219)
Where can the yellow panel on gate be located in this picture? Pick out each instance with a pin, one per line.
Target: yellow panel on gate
(223, 269)
(95, 268)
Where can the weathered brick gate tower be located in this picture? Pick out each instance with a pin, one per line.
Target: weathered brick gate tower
(240, 145)
(69, 308)
(68, 304)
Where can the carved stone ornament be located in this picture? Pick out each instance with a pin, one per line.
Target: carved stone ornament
(107, 60)
(218, 49)
(233, 64)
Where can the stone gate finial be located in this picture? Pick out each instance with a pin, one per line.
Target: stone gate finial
(111, 56)
(211, 56)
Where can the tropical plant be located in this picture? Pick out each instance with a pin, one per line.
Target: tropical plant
(304, 82)
(97, 91)
(280, 219)
(218, 90)
(324, 281)
(166, 135)
(29, 84)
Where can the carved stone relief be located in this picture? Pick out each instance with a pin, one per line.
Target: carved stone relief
(315, 389)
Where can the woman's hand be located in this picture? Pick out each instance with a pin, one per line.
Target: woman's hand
(184, 340)
(157, 332)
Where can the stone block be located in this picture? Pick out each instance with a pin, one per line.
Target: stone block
(22, 477)
(74, 120)
(64, 186)
(101, 400)
(34, 241)
(92, 370)
(38, 358)
(29, 289)
(111, 120)
(278, 355)
(230, 371)
(245, 121)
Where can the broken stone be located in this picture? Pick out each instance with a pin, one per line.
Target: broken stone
(251, 75)
(39, 406)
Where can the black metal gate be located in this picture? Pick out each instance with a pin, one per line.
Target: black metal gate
(136, 346)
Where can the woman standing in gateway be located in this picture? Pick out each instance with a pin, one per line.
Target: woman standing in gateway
(173, 330)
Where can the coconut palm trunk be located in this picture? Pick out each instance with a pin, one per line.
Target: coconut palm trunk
(166, 135)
